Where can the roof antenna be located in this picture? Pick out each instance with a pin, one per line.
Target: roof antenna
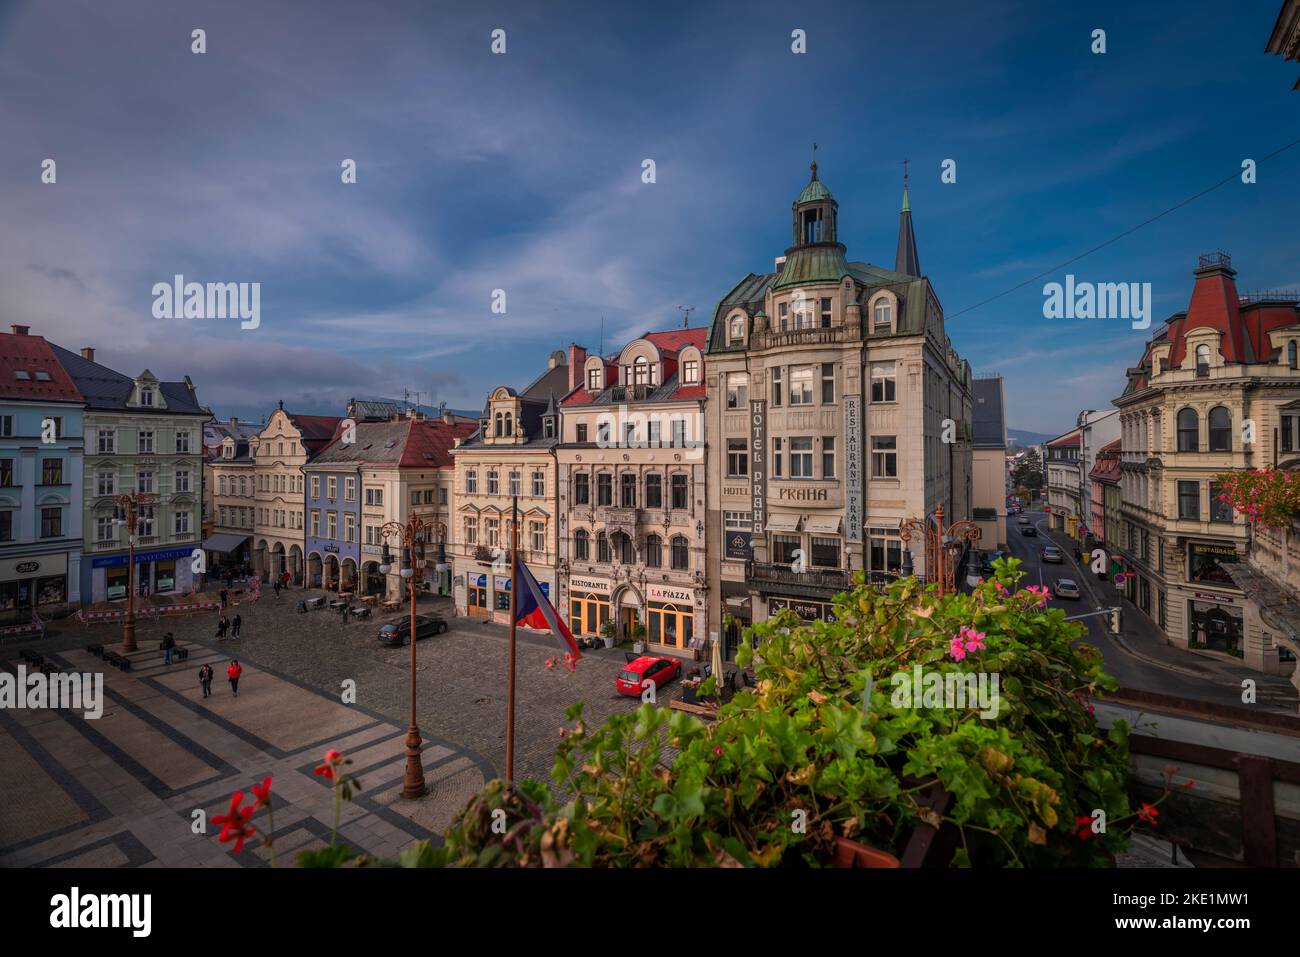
(686, 315)
(601, 353)
(814, 161)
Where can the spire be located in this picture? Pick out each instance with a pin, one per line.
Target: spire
(906, 260)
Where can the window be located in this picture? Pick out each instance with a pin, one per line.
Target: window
(331, 525)
(515, 483)
(146, 443)
(471, 482)
(332, 488)
(182, 443)
(602, 434)
(654, 551)
(623, 546)
(627, 490)
(828, 382)
(654, 490)
(737, 390)
(182, 480)
(777, 462)
(1202, 359)
(1220, 429)
(604, 489)
(537, 534)
(548, 427)
(105, 483)
(221, 484)
(581, 489)
(785, 548)
(826, 552)
(1220, 511)
(581, 545)
(1291, 354)
(883, 382)
(144, 521)
(736, 331)
(350, 489)
(315, 523)
(1189, 499)
(494, 482)
(182, 523)
(884, 456)
(6, 426)
(144, 482)
(886, 551)
(680, 553)
(602, 547)
(801, 386)
(107, 442)
(51, 471)
(679, 433)
(679, 492)
(146, 397)
(51, 522)
(826, 313)
(1188, 429)
(783, 312)
(801, 458)
(737, 458)
(776, 385)
(471, 530)
(374, 498)
(641, 371)
(883, 316)
(492, 529)
(539, 484)
(593, 379)
(691, 371)
(654, 429)
(105, 530)
(828, 457)
(581, 431)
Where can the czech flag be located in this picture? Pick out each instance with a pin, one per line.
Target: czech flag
(534, 610)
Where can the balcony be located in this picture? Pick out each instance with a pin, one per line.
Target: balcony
(768, 574)
(817, 336)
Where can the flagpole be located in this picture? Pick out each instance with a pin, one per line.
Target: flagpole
(510, 682)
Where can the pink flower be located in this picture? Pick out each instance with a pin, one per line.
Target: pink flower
(1039, 592)
(956, 649)
(974, 639)
(1002, 589)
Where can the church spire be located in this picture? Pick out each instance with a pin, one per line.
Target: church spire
(906, 260)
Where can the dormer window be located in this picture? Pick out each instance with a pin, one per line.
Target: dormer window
(690, 371)
(1202, 359)
(883, 316)
(548, 427)
(146, 397)
(736, 330)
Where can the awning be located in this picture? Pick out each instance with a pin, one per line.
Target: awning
(783, 522)
(224, 542)
(823, 524)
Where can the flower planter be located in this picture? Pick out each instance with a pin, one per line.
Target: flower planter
(853, 854)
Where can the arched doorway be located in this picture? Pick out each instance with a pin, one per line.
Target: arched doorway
(628, 608)
(295, 564)
(261, 557)
(314, 570)
(348, 581)
(331, 573)
(371, 581)
(277, 560)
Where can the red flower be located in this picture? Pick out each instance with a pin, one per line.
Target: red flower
(1083, 825)
(234, 825)
(262, 792)
(1148, 815)
(333, 760)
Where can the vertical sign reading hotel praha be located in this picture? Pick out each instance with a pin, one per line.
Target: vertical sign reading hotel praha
(758, 464)
(852, 469)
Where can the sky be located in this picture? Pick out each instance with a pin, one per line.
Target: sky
(523, 171)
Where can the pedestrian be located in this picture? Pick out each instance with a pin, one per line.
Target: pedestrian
(205, 680)
(224, 595)
(222, 625)
(275, 587)
(168, 646)
(234, 626)
(233, 671)
(230, 580)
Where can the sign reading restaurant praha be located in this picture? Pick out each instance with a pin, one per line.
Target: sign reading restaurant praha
(758, 464)
(852, 470)
(738, 544)
(803, 494)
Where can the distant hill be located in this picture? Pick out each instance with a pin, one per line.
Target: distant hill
(1025, 439)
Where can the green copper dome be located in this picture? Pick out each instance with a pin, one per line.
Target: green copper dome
(814, 191)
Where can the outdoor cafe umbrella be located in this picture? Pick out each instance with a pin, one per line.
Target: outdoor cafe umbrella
(717, 664)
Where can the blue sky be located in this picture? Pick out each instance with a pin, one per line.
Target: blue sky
(523, 172)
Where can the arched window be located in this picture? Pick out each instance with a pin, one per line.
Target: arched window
(883, 316)
(602, 548)
(737, 332)
(623, 544)
(1291, 354)
(581, 545)
(654, 551)
(1220, 429)
(1188, 429)
(221, 482)
(1202, 359)
(641, 371)
(681, 558)
(499, 425)
(510, 425)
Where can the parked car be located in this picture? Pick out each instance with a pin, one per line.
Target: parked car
(658, 668)
(1066, 588)
(986, 562)
(399, 633)
(1029, 531)
(1053, 554)
(1023, 520)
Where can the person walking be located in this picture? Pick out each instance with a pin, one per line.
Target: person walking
(233, 671)
(234, 626)
(275, 587)
(168, 646)
(225, 595)
(222, 625)
(205, 680)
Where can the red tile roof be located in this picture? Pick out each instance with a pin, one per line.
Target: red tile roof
(1065, 441)
(675, 340)
(32, 354)
(428, 442)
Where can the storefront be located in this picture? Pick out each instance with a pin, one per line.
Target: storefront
(159, 572)
(31, 583)
(589, 606)
(1205, 562)
(1215, 622)
(670, 616)
(807, 609)
(501, 592)
(476, 595)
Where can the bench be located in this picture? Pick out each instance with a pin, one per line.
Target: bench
(96, 650)
(112, 657)
(181, 653)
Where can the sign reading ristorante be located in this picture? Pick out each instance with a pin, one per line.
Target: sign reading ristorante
(758, 464)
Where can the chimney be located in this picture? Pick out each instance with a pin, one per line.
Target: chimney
(577, 358)
(447, 418)
(88, 353)
(233, 422)
(19, 330)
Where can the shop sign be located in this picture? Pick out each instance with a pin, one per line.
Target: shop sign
(802, 607)
(739, 544)
(666, 593)
(852, 470)
(588, 585)
(1207, 596)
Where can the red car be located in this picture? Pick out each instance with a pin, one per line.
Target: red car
(656, 668)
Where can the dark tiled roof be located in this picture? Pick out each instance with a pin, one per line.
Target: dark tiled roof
(988, 416)
(104, 388)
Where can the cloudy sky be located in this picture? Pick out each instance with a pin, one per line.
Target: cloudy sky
(522, 172)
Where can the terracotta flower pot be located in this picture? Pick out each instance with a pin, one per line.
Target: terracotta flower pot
(852, 854)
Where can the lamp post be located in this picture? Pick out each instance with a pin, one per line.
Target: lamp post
(130, 503)
(410, 535)
(942, 545)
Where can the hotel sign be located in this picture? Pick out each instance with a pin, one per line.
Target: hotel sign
(738, 544)
(758, 464)
(852, 469)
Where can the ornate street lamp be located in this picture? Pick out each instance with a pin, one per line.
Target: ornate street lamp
(410, 535)
(130, 503)
(942, 545)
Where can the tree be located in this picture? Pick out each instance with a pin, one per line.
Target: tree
(1029, 471)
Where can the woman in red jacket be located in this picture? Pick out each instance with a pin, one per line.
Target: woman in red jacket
(233, 671)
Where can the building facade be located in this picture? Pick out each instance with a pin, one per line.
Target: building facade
(230, 496)
(141, 435)
(1217, 389)
(989, 462)
(1106, 520)
(279, 451)
(838, 382)
(1061, 458)
(1096, 429)
(41, 480)
(632, 472)
(510, 457)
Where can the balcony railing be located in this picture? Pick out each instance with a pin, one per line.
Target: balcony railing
(783, 574)
(800, 337)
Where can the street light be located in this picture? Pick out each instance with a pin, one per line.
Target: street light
(410, 535)
(941, 544)
(130, 503)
